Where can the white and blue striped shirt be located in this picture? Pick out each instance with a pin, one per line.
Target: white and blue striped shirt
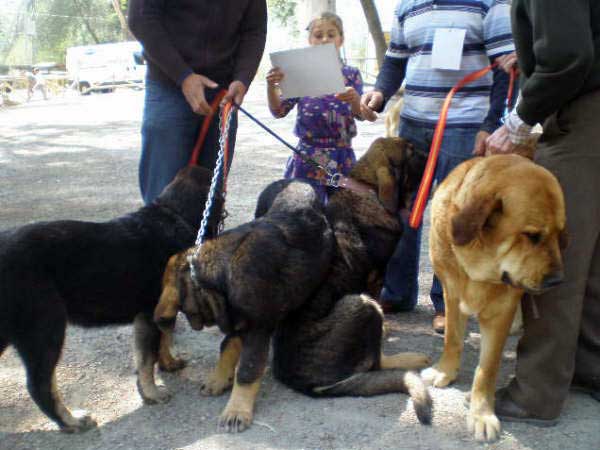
(488, 35)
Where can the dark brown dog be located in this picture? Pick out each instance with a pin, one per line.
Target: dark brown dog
(287, 273)
(95, 274)
(332, 344)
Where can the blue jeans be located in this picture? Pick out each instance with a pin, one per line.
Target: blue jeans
(169, 132)
(401, 282)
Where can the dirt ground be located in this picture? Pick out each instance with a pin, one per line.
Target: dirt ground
(76, 157)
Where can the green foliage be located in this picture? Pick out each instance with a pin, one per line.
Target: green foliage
(59, 24)
(283, 10)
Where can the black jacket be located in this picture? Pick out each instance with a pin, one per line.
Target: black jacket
(558, 46)
(221, 39)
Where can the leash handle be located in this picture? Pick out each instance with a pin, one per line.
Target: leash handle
(416, 214)
(214, 106)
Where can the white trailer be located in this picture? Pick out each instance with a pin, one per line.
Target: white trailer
(104, 67)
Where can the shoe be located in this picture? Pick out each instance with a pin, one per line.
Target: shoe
(587, 385)
(506, 409)
(389, 307)
(439, 322)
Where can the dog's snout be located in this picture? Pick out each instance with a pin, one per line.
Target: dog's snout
(553, 279)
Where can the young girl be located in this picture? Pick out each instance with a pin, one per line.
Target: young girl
(325, 125)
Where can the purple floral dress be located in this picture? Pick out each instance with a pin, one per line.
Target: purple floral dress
(325, 127)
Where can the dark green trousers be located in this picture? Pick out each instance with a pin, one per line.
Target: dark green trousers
(562, 327)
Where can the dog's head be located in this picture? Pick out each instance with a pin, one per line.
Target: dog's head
(508, 224)
(186, 195)
(394, 167)
(202, 304)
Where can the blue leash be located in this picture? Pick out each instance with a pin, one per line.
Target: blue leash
(306, 159)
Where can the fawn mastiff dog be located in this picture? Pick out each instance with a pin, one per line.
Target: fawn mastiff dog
(497, 227)
(95, 274)
(254, 281)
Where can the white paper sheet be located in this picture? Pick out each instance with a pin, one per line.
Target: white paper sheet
(446, 52)
(310, 72)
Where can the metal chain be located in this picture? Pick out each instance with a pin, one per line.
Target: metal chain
(211, 193)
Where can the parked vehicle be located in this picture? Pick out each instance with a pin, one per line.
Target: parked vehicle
(104, 67)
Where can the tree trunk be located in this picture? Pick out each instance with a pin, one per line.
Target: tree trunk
(124, 28)
(86, 22)
(375, 29)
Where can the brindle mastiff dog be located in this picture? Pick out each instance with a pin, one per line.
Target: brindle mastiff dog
(94, 274)
(287, 274)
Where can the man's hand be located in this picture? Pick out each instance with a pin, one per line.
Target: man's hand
(479, 149)
(372, 100)
(499, 143)
(193, 89)
(236, 92)
(507, 62)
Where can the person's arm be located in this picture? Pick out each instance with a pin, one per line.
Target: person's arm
(390, 77)
(145, 22)
(498, 96)
(253, 35)
(354, 89)
(498, 41)
(563, 50)
(393, 69)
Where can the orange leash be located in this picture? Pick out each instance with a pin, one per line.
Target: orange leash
(225, 132)
(416, 214)
(214, 106)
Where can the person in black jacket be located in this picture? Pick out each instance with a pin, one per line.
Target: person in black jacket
(558, 50)
(192, 47)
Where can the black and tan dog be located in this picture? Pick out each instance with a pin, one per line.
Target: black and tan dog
(287, 274)
(332, 345)
(94, 274)
(246, 281)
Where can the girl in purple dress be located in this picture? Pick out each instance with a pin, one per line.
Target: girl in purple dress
(325, 125)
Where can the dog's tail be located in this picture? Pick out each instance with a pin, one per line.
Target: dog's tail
(385, 382)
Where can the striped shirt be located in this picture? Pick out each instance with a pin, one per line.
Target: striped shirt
(488, 35)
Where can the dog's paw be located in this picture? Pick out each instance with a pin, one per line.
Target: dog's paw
(215, 385)
(235, 421)
(485, 427)
(172, 365)
(152, 395)
(160, 396)
(434, 376)
(81, 421)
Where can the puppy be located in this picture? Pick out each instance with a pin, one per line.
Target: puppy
(251, 279)
(246, 281)
(497, 227)
(332, 345)
(95, 274)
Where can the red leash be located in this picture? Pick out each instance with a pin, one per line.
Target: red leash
(214, 106)
(418, 208)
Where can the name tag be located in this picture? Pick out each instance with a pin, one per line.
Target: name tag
(446, 52)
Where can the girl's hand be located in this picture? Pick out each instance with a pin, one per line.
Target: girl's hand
(274, 76)
(349, 96)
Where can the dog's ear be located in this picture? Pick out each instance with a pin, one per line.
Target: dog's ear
(387, 188)
(169, 302)
(473, 216)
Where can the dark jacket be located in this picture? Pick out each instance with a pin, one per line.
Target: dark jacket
(558, 46)
(221, 39)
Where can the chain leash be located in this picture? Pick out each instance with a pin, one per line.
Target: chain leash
(211, 193)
